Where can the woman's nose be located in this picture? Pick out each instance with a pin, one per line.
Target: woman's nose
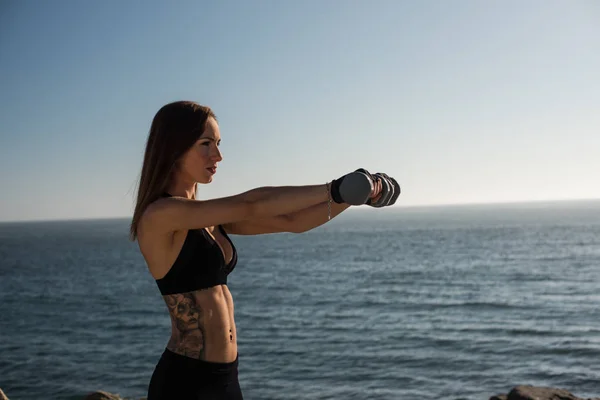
(217, 154)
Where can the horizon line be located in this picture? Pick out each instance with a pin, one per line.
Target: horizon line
(355, 209)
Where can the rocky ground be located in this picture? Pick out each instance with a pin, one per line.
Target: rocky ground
(538, 393)
(517, 393)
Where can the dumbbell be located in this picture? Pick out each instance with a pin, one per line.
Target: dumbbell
(356, 187)
(390, 190)
(353, 188)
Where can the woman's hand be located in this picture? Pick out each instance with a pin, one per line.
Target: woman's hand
(376, 192)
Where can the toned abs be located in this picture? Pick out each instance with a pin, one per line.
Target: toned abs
(202, 324)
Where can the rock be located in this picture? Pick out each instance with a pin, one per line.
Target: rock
(100, 395)
(524, 392)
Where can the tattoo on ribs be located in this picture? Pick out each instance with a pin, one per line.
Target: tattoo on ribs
(188, 333)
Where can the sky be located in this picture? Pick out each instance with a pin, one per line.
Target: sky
(462, 102)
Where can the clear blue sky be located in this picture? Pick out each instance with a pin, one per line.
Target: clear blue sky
(462, 101)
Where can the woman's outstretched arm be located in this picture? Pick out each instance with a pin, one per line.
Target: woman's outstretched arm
(176, 213)
(295, 222)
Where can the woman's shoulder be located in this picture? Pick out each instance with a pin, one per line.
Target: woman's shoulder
(149, 218)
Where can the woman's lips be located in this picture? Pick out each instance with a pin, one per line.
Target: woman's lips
(212, 170)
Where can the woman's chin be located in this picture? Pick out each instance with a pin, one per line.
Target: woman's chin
(206, 177)
(205, 181)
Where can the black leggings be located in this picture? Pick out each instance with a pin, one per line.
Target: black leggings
(178, 377)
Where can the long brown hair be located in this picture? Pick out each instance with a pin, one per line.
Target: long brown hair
(175, 128)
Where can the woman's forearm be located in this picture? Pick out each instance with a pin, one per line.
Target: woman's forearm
(314, 216)
(278, 200)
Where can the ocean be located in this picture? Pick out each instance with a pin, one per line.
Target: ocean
(457, 302)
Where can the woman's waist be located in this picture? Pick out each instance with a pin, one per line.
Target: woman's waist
(204, 333)
(218, 345)
(198, 368)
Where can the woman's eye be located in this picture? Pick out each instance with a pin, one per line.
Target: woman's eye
(205, 143)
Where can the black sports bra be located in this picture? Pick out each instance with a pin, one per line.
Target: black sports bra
(199, 265)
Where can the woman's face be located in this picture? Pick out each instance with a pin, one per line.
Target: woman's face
(199, 163)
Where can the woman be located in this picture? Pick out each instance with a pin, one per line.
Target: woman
(187, 249)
